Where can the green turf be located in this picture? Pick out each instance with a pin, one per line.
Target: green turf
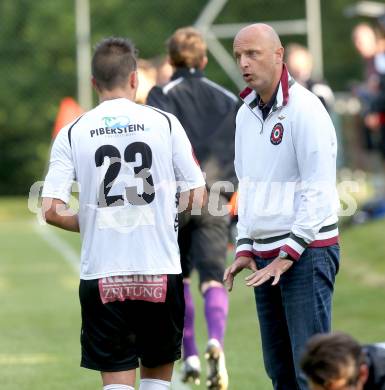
(39, 321)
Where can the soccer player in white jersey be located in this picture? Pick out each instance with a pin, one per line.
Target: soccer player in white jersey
(133, 164)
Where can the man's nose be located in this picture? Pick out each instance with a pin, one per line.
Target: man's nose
(243, 63)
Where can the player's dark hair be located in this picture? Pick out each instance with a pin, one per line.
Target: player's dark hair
(113, 60)
(327, 355)
(186, 48)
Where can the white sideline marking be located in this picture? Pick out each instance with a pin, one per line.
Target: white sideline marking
(72, 258)
(59, 245)
(26, 359)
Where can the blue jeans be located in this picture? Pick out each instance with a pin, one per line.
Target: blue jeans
(294, 310)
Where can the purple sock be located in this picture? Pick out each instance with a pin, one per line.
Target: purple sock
(189, 344)
(216, 309)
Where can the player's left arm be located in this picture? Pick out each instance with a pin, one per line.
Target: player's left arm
(315, 145)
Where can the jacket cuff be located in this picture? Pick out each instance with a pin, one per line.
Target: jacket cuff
(244, 248)
(294, 246)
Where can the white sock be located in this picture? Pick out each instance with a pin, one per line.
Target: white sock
(118, 387)
(154, 384)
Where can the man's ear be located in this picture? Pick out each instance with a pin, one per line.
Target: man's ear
(134, 80)
(171, 62)
(203, 63)
(95, 84)
(279, 55)
(363, 373)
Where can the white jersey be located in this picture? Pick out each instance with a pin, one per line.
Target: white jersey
(128, 160)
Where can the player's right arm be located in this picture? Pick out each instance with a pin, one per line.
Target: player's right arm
(57, 213)
(189, 177)
(58, 184)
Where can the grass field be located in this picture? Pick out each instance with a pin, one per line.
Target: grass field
(39, 321)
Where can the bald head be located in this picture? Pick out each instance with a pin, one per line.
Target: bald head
(259, 54)
(260, 32)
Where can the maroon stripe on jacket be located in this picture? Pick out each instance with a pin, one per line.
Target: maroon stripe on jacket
(293, 253)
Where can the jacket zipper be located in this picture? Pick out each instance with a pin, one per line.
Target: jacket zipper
(262, 122)
(256, 116)
(271, 113)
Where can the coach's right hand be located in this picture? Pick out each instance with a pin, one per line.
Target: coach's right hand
(239, 264)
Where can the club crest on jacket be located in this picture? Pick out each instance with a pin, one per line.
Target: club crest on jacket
(276, 134)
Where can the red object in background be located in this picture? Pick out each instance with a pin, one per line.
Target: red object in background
(233, 205)
(69, 110)
(382, 118)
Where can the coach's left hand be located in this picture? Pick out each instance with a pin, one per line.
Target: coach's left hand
(274, 270)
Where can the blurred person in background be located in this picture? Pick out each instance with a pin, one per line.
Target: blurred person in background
(156, 71)
(375, 117)
(207, 112)
(285, 160)
(380, 57)
(300, 65)
(164, 70)
(366, 42)
(336, 361)
(147, 78)
(131, 286)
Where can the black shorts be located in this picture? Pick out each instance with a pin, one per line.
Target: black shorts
(116, 335)
(203, 243)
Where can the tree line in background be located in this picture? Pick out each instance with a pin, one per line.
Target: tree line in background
(38, 60)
